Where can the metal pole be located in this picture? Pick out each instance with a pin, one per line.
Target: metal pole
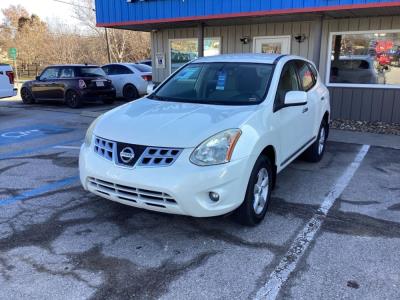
(16, 70)
(108, 46)
(200, 37)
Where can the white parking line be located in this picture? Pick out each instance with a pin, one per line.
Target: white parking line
(289, 262)
(67, 147)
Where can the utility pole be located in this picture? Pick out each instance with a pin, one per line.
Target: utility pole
(108, 46)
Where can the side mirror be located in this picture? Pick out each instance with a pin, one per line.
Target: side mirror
(295, 98)
(38, 78)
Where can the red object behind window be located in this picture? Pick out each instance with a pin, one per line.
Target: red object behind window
(147, 77)
(10, 75)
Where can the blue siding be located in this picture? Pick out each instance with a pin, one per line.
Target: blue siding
(119, 11)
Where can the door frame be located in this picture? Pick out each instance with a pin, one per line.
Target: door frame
(289, 37)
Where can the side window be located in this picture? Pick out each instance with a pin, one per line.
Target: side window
(307, 79)
(314, 71)
(120, 70)
(67, 73)
(106, 70)
(50, 73)
(288, 82)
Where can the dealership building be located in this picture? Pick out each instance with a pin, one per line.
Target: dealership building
(354, 43)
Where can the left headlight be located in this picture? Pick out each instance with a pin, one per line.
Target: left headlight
(89, 132)
(217, 149)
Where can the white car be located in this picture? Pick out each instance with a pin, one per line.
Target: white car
(130, 80)
(211, 138)
(7, 82)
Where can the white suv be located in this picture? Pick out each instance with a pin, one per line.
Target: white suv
(210, 139)
(7, 82)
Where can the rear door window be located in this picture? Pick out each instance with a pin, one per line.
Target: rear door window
(66, 73)
(306, 76)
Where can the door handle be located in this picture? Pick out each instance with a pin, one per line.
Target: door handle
(305, 109)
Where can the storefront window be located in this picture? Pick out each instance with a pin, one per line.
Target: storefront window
(185, 50)
(365, 58)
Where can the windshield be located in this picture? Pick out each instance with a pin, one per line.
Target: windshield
(218, 83)
(91, 72)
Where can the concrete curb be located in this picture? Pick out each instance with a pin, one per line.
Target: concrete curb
(365, 138)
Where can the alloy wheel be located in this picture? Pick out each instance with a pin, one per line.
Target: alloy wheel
(261, 190)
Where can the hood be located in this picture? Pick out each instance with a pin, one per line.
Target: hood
(169, 124)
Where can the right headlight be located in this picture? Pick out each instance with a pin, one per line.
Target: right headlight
(89, 132)
(217, 149)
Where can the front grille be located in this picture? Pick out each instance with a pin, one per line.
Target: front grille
(128, 193)
(143, 156)
(105, 148)
(158, 157)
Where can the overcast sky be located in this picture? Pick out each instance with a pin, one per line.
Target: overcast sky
(48, 10)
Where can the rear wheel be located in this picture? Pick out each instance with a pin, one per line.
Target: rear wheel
(316, 151)
(258, 193)
(72, 99)
(27, 96)
(130, 92)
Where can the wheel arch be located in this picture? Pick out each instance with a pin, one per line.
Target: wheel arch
(270, 152)
(70, 90)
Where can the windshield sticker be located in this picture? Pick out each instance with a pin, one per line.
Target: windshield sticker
(221, 81)
(187, 73)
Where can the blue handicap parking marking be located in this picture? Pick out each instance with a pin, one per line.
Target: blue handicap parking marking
(25, 133)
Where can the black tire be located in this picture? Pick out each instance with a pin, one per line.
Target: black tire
(316, 151)
(27, 96)
(108, 100)
(72, 99)
(249, 213)
(130, 92)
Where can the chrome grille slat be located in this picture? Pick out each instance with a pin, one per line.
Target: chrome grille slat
(131, 193)
(159, 157)
(105, 148)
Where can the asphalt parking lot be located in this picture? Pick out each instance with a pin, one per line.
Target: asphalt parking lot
(332, 231)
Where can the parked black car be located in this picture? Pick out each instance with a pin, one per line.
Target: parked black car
(73, 84)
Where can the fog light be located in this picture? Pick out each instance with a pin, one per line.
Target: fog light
(214, 196)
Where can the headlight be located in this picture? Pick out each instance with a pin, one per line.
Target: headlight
(89, 132)
(217, 149)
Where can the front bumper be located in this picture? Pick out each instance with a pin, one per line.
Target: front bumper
(182, 188)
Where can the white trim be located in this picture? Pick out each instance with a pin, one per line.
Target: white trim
(272, 37)
(353, 85)
(193, 38)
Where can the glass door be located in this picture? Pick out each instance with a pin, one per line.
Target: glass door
(272, 45)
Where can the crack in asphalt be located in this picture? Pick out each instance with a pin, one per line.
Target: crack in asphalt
(125, 280)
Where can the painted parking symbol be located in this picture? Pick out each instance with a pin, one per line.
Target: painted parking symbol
(21, 134)
(18, 134)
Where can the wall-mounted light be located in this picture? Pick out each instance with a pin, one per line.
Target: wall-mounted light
(300, 38)
(245, 40)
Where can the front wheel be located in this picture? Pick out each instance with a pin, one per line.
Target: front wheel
(316, 151)
(258, 193)
(27, 96)
(72, 99)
